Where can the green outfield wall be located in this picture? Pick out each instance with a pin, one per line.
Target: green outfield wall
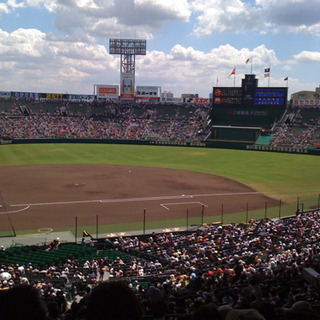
(212, 143)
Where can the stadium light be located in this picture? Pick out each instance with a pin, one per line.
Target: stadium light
(128, 49)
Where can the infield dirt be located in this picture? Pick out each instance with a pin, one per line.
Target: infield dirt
(39, 196)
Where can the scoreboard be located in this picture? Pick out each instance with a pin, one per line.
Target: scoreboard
(261, 97)
(227, 96)
(270, 96)
(248, 105)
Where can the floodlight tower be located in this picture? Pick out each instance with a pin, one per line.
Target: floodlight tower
(128, 49)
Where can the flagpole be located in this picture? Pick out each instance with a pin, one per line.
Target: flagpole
(287, 79)
(251, 61)
(267, 74)
(233, 73)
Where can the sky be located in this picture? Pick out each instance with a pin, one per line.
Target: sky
(62, 46)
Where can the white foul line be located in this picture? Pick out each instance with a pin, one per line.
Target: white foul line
(164, 205)
(15, 211)
(134, 199)
(54, 203)
(147, 199)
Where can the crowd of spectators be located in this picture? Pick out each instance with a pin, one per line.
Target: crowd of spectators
(300, 127)
(214, 272)
(109, 120)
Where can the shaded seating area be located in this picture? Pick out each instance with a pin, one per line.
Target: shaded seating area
(40, 257)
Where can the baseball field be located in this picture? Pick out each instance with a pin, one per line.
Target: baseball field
(126, 187)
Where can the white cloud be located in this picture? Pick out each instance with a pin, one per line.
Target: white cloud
(287, 67)
(125, 18)
(75, 62)
(4, 9)
(183, 54)
(308, 57)
(177, 9)
(49, 5)
(196, 71)
(14, 4)
(40, 63)
(225, 16)
(91, 19)
(226, 56)
(294, 16)
(21, 42)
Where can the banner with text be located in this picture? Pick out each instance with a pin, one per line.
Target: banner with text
(127, 86)
(33, 95)
(147, 92)
(108, 91)
(5, 94)
(306, 102)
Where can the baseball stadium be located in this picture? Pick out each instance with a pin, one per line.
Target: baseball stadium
(190, 203)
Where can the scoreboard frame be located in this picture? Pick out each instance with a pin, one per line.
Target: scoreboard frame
(263, 96)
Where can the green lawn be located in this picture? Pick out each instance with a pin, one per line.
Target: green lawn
(282, 176)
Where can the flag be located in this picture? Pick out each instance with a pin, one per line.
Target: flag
(248, 60)
(267, 72)
(233, 72)
(285, 79)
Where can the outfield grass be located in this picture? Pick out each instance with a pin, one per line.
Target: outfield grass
(281, 176)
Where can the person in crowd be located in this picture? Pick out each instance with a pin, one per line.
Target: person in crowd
(113, 301)
(22, 302)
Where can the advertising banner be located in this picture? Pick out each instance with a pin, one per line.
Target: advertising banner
(5, 94)
(127, 86)
(171, 100)
(81, 97)
(33, 95)
(108, 91)
(201, 100)
(147, 92)
(55, 96)
(306, 102)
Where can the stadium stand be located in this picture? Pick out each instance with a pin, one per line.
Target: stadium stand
(269, 266)
(110, 120)
(300, 127)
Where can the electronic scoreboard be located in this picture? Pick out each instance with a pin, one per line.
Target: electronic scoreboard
(270, 96)
(227, 96)
(248, 105)
(249, 95)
